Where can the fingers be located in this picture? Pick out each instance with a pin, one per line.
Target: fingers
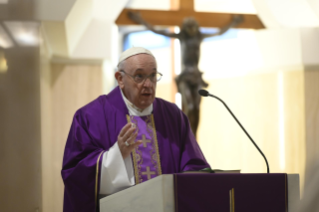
(126, 128)
(127, 134)
(131, 139)
(135, 144)
(126, 150)
(130, 133)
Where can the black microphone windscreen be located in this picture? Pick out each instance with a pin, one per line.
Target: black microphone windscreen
(203, 92)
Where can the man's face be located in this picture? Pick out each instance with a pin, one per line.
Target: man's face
(142, 94)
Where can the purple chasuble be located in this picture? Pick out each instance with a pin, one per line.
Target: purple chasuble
(94, 130)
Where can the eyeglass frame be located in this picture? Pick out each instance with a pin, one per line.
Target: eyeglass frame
(148, 76)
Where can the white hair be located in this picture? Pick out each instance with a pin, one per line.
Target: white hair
(121, 65)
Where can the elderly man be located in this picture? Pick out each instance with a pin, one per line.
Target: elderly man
(126, 137)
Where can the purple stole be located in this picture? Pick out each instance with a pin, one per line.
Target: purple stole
(146, 159)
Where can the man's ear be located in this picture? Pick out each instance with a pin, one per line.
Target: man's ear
(119, 77)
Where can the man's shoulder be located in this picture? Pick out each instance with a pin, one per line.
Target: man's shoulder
(94, 106)
(168, 108)
(170, 112)
(101, 102)
(167, 104)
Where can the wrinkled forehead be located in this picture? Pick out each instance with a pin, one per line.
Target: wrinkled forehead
(140, 62)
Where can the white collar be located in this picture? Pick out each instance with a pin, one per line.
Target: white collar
(135, 111)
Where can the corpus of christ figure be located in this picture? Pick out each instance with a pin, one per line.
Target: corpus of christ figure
(190, 80)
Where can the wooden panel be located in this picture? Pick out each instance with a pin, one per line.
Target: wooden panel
(71, 87)
(175, 18)
(294, 124)
(312, 116)
(186, 5)
(20, 131)
(174, 4)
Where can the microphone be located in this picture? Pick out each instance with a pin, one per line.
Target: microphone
(203, 92)
(206, 93)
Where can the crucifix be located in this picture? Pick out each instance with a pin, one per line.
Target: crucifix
(148, 173)
(190, 80)
(186, 9)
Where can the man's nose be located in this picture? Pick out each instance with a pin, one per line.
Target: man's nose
(147, 82)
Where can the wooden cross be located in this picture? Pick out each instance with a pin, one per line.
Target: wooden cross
(186, 9)
(148, 173)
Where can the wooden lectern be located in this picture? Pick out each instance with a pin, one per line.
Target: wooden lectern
(208, 192)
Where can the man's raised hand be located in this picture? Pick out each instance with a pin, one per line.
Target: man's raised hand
(126, 139)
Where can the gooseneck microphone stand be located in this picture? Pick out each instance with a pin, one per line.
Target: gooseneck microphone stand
(206, 93)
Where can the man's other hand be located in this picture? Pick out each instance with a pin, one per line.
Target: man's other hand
(126, 139)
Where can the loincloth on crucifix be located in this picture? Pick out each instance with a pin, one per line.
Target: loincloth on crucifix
(192, 77)
(188, 83)
(146, 158)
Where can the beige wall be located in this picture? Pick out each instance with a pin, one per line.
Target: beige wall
(71, 86)
(311, 115)
(20, 126)
(20, 141)
(256, 100)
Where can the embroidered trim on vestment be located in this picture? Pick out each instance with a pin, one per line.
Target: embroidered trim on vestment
(159, 167)
(138, 155)
(152, 151)
(97, 176)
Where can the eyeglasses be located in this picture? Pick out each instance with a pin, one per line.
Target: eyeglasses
(140, 78)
